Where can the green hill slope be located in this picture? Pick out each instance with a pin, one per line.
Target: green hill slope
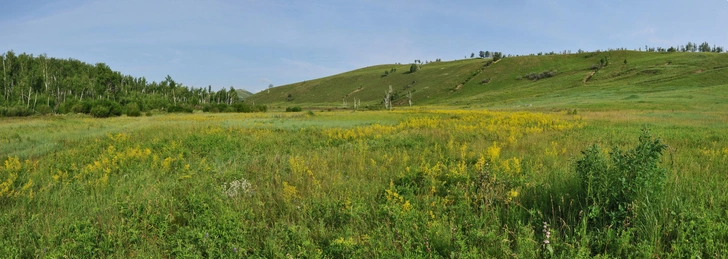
(242, 94)
(648, 80)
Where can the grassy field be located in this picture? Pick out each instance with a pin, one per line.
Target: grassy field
(415, 183)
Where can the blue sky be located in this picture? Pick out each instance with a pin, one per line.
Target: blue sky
(249, 44)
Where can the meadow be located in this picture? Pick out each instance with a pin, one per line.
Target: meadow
(413, 183)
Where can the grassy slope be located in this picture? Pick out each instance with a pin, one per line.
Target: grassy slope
(683, 81)
(243, 93)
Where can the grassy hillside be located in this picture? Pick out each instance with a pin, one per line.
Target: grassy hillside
(648, 80)
(243, 93)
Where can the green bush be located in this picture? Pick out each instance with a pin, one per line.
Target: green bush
(538, 76)
(293, 109)
(66, 107)
(100, 111)
(112, 108)
(77, 108)
(17, 111)
(210, 108)
(414, 68)
(243, 107)
(615, 184)
(132, 110)
(44, 109)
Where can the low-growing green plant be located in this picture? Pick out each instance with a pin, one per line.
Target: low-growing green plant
(618, 182)
(293, 109)
(539, 76)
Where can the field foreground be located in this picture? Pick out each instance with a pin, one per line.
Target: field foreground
(420, 183)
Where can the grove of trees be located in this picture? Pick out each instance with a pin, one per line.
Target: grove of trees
(40, 84)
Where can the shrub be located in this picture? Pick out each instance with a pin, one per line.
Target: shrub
(614, 184)
(67, 106)
(539, 76)
(414, 68)
(82, 107)
(17, 111)
(100, 111)
(149, 114)
(261, 108)
(114, 109)
(44, 109)
(132, 110)
(293, 109)
(210, 108)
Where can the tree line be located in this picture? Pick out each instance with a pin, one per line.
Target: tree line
(41, 84)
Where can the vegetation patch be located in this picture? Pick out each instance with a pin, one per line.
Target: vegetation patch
(293, 109)
(538, 76)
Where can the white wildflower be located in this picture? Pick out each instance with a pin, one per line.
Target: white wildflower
(237, 187)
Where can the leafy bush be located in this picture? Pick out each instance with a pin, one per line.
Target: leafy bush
(243, 107)
(67, 106)
(112, 108)
(414, 68)
(132, 110)
(293, 109)
(44, 109)
(210, 108)
(100, 111)
(614, 183)
(17, 111)
(538, 76)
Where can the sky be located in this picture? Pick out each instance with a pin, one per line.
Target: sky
(251, 44)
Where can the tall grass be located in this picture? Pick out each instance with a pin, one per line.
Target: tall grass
(423, 183)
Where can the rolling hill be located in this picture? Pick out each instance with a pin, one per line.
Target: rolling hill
(626, 80)
(242, 94)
